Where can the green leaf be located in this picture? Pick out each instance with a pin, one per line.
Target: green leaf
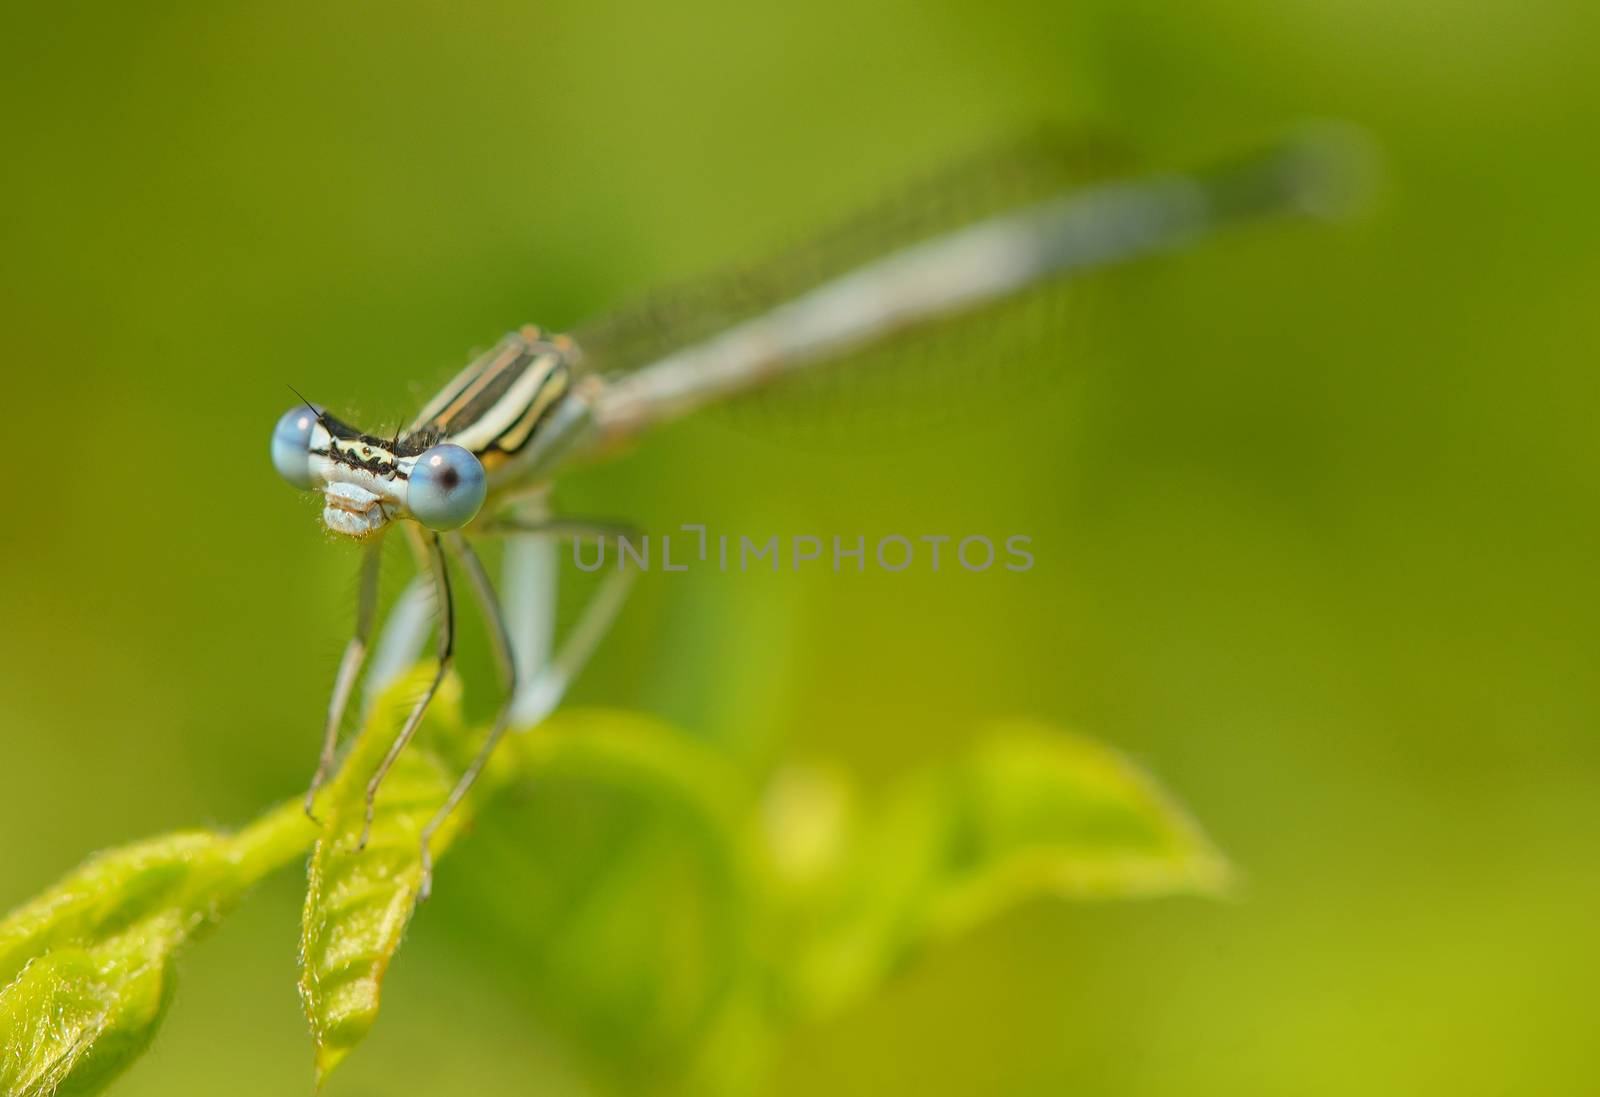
(669, 927)
(87, 966)
(687, 884)
(359, 900)
(623, 890)
(1028, 812)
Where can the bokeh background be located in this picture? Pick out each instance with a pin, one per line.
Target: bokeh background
(1313, 509)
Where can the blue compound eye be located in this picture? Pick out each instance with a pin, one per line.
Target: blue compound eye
(447, 487)
(291, 445)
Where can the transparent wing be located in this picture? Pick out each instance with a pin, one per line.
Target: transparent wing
(985, 255)
(902, 378)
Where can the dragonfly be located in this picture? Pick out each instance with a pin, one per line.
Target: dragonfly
(480, 458)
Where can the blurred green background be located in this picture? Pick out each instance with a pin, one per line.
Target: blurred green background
(1313, 511)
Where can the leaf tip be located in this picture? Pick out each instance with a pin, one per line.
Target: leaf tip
(327, 1058)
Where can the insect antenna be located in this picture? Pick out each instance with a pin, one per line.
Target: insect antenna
(314, 410)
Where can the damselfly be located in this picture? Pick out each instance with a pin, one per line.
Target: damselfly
(479, 459)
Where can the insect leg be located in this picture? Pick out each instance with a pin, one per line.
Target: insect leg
(529, 576)
(405, 631)
(447, 633)
(500, 638)
(355, 654)
(541, 686)
(406, 628)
